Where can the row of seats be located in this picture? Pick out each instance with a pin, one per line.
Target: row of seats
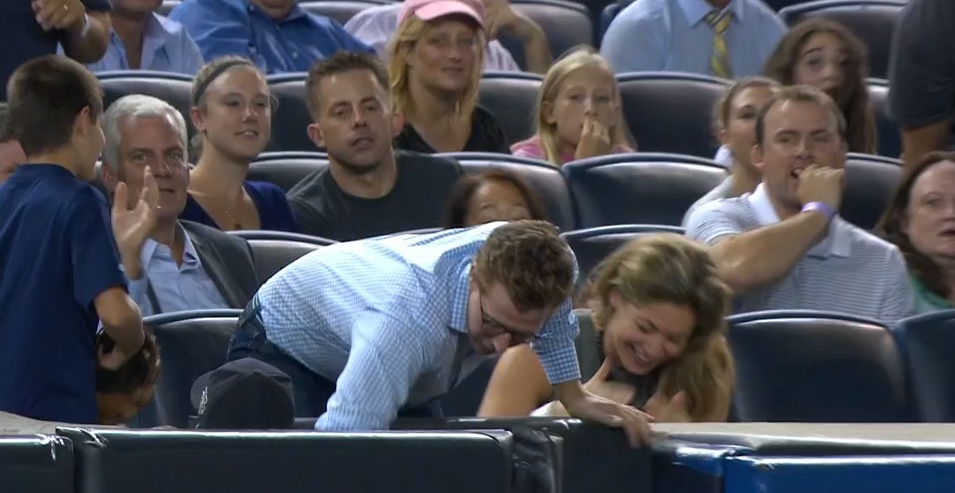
(872, 21)
(638, 188)
(665, 112)
(793, 366)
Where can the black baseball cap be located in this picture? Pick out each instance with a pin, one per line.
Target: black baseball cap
(245, 394)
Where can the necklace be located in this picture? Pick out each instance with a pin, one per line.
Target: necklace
(235, 224)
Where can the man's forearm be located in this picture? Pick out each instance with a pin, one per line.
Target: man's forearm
(756, 258)
(537, 52)
(91, 46)
(569, 392)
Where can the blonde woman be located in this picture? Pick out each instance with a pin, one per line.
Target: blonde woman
(578, 112)
(435, 63)
(658, 308)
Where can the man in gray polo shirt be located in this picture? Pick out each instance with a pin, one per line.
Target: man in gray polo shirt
(784, 245)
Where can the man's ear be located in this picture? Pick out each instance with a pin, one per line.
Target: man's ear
(756, 156)
(397, 124)
(108, 177)
(315, 134)
(82, 122)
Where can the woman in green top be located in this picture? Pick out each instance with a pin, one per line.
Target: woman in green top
(920, 220)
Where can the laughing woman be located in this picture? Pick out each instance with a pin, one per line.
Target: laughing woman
(658, 308)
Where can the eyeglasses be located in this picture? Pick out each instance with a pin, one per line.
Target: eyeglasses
(518, 337)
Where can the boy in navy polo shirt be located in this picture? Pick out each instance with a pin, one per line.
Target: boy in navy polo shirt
(60, 266)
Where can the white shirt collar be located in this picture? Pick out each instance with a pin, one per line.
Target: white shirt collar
(838, 241)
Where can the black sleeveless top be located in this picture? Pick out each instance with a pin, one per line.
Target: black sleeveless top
(590, 355)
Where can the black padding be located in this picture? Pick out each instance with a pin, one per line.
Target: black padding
(241, 462)
(596, 458)
(36, 464)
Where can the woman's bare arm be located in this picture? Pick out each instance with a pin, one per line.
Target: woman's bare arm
(518, 385)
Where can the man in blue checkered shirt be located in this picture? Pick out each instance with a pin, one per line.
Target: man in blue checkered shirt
(373, 329)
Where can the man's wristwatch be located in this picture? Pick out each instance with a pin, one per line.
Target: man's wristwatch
(820, 207)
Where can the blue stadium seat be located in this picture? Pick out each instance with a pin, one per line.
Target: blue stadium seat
(671, 112)
(175, 89)
(512, 98)
(870, 182)
(291, 119)
(639, 188)
(566, 23)
(592, 245)
(273, 250)
(191, 343)
(887, 131)
(286, 169)
(339, 10)
(927, 341)
(804, 366)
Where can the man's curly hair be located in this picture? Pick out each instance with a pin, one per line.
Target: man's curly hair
(533, 263)
(140, 371)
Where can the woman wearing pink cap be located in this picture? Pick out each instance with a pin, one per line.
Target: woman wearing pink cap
(435, 62)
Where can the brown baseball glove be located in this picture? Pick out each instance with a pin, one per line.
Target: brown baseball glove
(120, 394)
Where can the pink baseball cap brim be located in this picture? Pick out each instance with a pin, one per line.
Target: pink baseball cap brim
(427, 10)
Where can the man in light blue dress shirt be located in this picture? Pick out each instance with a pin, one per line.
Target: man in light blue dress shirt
(673, 36)
(366, 329)
(141, 39)
(277, 35)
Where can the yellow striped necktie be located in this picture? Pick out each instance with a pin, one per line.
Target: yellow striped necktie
(720, 59)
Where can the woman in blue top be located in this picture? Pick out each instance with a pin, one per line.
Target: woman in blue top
(232, 112)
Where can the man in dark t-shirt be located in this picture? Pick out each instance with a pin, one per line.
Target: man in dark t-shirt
(324, 207)
(922, 77)
(33, 28)
(368, 189)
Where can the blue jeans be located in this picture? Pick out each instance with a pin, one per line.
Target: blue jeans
(311, 390)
